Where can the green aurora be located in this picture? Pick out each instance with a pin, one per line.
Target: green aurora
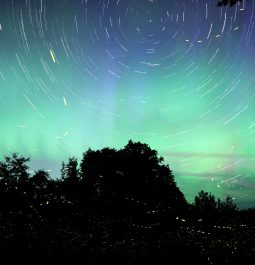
(177, 75)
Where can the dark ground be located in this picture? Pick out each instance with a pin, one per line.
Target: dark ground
(185, 244)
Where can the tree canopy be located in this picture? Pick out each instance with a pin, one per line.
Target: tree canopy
(229, 2)
(133, 179)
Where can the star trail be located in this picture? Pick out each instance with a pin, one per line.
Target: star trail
(175, 74)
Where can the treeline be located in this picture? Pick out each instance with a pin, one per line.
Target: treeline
(111, 196)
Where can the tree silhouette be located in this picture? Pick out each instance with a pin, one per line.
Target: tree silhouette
(205, 200)
(40, 179)
(13, 170)
(228, 2)
(70, 179)
(132, 181)
(205, 205)
(227, 208)
(228, 204)
(70, 171)
(149, 180)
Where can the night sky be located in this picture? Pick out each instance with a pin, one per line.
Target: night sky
(175, 74)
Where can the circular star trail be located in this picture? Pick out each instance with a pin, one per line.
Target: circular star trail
(178, 75)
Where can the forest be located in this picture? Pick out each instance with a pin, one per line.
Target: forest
(116, 206)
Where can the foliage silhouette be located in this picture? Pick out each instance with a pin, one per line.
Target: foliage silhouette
(40, 180)
(70, 179)
(228, 205)
(131, 182)
(228, 2)
(14, 169)
(205, 201)
(115, 206)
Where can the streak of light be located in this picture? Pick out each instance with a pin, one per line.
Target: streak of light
(150, 64)
(237, 114)
(21, 126)
(212, 58)
(209, 33)
(52, 56)
(65, 102)
(111, 72)
(2, 75)
(224, 23)
(32, 105)
(140, 72)
(252, 125)
(230, 165)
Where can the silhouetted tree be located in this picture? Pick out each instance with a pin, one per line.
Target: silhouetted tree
(228, 204)
(101, 179)
(205, 205)
(132, 181)
(13, 170)
(40, 179)
(227, 208)
(149, 181)
(40, 195)
(70, 179)
(70, 171)
(13, 186)
(228, 2)
(205, 200)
